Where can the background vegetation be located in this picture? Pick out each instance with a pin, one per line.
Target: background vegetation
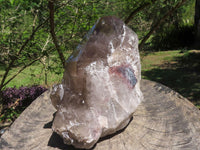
(38, 35)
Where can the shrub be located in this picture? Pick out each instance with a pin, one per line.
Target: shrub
(174, 38)
(16, 100)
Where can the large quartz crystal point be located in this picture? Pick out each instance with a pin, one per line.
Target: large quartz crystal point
(101, 85)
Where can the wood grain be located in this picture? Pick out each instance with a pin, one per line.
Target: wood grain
(164, 121)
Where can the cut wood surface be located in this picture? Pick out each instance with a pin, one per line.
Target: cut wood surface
(164, 121)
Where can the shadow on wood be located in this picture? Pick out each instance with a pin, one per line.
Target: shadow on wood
(57, 142)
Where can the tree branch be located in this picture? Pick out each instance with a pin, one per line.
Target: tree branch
(19, 52)
(52, 30)
(156, 26)
(140, 8)
(24, 67)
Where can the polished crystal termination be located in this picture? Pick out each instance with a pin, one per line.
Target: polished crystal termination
(101, 85)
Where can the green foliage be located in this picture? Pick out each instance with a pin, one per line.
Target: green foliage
(10, 115)
(73, 19)
(23, 41)
(145, 20)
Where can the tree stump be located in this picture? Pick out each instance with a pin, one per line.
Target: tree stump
(164, 121)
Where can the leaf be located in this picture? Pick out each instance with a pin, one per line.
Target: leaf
(12, 2)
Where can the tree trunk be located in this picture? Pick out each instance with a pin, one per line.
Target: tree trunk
(197, 23)
(52, 31)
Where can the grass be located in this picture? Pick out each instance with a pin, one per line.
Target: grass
(35, 74)
(155, 59)
(176, 69)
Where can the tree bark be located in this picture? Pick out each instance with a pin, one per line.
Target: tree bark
(156, 26)
(52, 30)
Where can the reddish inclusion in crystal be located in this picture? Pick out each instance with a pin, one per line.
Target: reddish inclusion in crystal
(126, 73)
